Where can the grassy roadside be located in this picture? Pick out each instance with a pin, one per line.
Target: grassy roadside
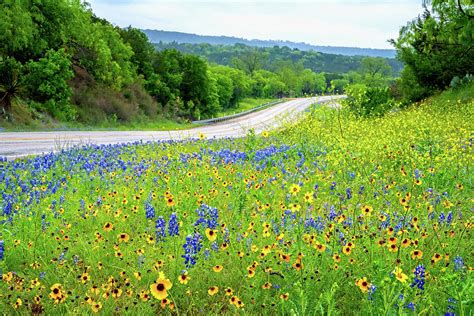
(23, 123)
(245, 105)
(157, 125)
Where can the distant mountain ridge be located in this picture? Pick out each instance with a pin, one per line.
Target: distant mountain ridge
(157, 36)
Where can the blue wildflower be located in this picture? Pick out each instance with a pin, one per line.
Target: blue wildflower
(173, 225)
(411, 306)
(372, 289)
(208, 217)
(160, 228)
(149, 211)
(348, 193)
(191, 248)
(419, 280)
(459, 263)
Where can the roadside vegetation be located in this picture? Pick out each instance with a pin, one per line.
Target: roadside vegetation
(246, 105)
(61, 63)
(334, 214)
(359, 210)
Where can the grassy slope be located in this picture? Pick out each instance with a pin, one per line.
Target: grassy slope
(329, 152)
(27, 120)
(245, 105)
(24, 122)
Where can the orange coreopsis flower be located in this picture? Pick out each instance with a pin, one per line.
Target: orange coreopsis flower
(159, 288)
(213, 290)
(363, 285)
(211, 234)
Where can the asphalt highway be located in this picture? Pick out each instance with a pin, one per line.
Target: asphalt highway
(20, 144)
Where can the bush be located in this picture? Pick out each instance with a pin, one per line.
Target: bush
(457, 82)
(367, 101)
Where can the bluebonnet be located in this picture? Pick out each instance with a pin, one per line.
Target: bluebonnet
(207, 254)
(191, 249)
(7, 209)
(208, 217)
(160, 228)
(411, 306)
(2, 249)
(348, 193)
(44, 224)
(332, 213)
(173, 225)
(149, 211)
(459, 263)
(288, 218)
(371, 292)
(441, 218)
(449, 218)
(226, 235)
(419, 280)
(451, 306)
(361, 190)
(333, 185)
(61, 256)
(417, 174)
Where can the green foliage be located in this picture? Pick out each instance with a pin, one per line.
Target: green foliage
(10, 81)
(47, 82)
(308, 221)
(338, 85)
(250, 58)
(375, 71)
(436, 47)
(143, 50)
(367, 101)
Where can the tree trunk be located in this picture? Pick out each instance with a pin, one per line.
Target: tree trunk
(6, 102)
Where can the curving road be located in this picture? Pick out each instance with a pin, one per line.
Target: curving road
(20, 144)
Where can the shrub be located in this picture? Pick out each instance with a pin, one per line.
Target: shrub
(367, 101)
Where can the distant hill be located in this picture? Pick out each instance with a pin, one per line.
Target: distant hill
(273, 58)
(157, 36)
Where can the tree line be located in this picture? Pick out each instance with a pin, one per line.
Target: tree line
(273, 58)
(58, 58)
(437, 50)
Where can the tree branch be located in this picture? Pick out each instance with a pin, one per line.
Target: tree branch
(464, 12)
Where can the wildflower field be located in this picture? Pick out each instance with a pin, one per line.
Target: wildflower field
(331, 215)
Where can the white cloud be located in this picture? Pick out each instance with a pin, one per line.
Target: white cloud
(341, 23)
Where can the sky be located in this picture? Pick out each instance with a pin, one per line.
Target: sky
(368, 23)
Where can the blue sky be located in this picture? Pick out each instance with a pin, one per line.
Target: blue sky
(320, 22)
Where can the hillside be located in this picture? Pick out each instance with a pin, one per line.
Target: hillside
(157, 36)
(272, 58)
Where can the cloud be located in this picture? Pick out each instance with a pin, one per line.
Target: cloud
(341, 23)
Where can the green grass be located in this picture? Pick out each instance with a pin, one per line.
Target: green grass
(245, 105)
(23, 122)
(303, 221)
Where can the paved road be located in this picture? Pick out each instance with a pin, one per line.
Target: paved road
(14, 145)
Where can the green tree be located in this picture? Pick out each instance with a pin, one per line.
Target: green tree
(250, 60)
(47, 82)
(375, 71)
(195, 87)
(143, 50)
(225, 89)
(436, 47)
